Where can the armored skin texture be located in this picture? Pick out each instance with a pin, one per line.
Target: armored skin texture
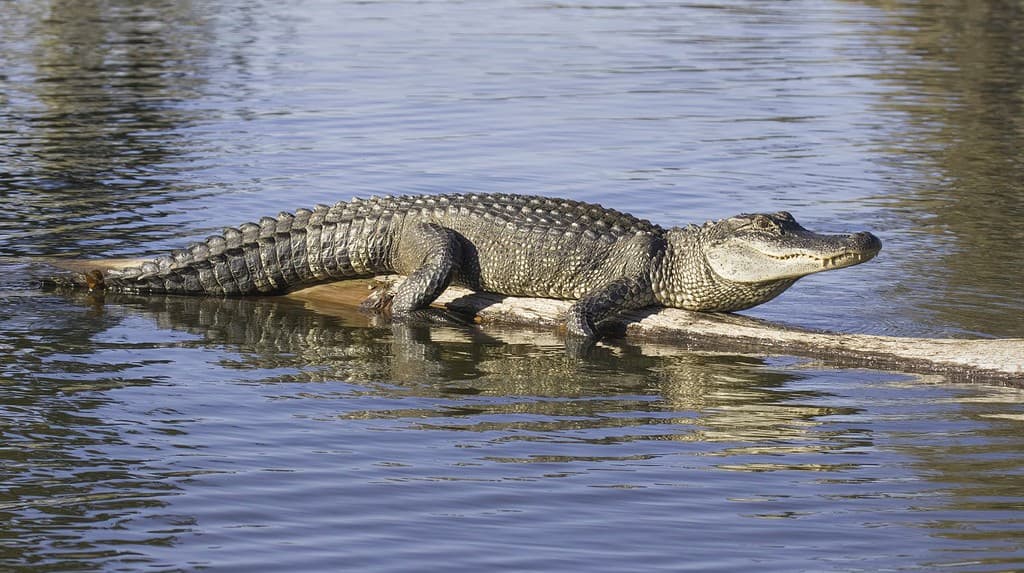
(515, 245)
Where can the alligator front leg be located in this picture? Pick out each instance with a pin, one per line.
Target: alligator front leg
(605, 301)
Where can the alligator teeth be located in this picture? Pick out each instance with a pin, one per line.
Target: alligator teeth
(837, 260)
(826, 263)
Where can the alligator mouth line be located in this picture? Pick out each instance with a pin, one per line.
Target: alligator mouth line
(840, 260)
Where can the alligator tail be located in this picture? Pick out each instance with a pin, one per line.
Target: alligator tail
(273, 256)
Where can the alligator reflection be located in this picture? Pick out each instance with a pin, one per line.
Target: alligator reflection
(68, 470)
(475, 374)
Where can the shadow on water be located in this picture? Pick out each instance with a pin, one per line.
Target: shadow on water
(956, 70)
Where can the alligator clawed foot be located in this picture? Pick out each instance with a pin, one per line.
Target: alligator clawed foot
(380, 299)
(380, 304)
(94, 280)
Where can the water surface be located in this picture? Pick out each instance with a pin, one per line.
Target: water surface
(174, 434)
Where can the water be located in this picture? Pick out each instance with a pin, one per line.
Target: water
(176, 435)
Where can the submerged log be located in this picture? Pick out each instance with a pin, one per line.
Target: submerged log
(985, 360)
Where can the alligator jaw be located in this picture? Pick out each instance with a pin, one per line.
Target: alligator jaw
(755, 261)
(838, 261)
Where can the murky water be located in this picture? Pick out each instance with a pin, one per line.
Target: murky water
(178, 434)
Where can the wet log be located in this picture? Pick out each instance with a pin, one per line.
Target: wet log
(981, 360)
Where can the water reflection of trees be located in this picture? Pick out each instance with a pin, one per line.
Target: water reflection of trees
(99, 121)
(958, 79)
(91, 124)
(958, 74)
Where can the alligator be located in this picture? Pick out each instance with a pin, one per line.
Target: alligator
(516, 245)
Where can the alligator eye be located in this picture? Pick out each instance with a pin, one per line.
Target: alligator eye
(763, 223)
(786, 216)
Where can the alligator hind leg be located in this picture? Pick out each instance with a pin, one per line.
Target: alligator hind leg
(428, 255)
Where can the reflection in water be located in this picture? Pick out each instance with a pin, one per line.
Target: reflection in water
(93, 136)
(960, 83)
(977, 461)
(728, 398)
(503, 405)
(89, 125)
(67, 472)
(737, 398)
(70, 473)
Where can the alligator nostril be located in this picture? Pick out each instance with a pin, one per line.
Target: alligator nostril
(866, 241)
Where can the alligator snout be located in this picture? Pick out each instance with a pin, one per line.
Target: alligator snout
(865, 243)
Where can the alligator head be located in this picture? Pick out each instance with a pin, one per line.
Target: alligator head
(743, 261)
(759, 248)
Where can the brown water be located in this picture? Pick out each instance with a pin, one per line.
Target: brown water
(175, 434)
